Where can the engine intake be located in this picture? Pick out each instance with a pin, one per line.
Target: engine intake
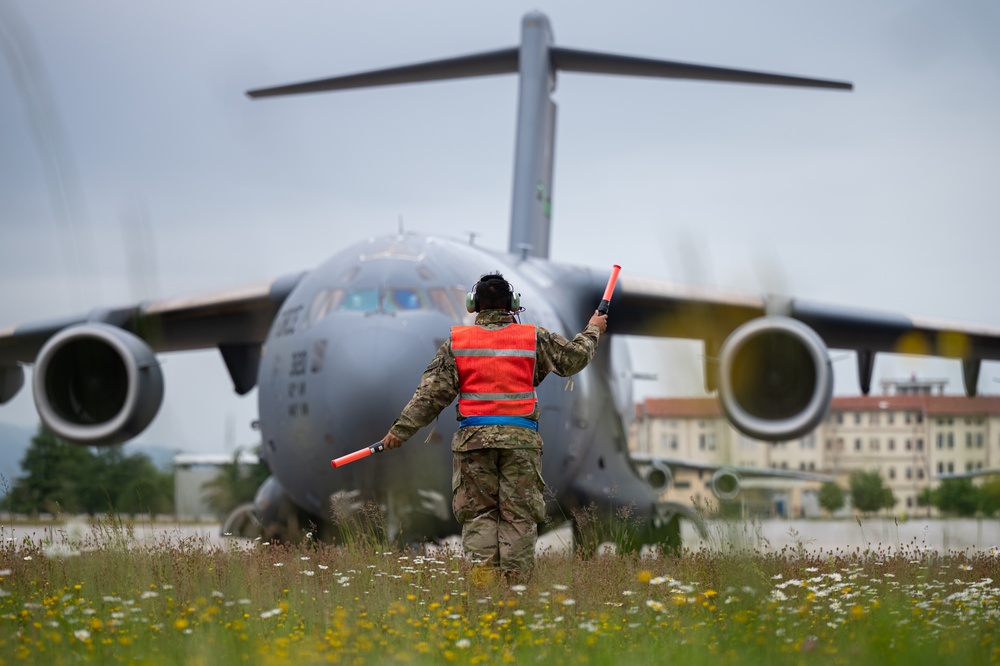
(725, 483)
(775, 378)
(97, 385)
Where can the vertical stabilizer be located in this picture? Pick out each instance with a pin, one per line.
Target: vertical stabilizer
(536, 61)
(531, 208)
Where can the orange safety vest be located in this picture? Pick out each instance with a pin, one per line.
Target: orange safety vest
(496, 370)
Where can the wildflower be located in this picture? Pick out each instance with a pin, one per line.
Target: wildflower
(81, 634)
(4, 573)
(279, 564)
(561, 588)
(309, 573)
(518, 588)
(568, 602)
(643, 576)
(659, 580)
(463, 643)
(655, 605)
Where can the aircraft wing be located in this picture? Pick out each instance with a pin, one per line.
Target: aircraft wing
(740, 470)
(989, 471)
(652, 307)
(235, 321)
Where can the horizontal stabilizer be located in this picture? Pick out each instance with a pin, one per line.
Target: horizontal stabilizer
(478, 64)
(590, 62)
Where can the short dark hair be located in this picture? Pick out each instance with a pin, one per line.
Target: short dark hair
(493, 292)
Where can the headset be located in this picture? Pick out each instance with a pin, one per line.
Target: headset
(472, 300)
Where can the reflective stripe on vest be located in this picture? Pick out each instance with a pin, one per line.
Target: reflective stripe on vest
(496, 370)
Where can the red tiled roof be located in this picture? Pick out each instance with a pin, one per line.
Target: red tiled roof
(932, 405)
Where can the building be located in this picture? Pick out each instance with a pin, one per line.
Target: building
(192, 471)
(909, 435)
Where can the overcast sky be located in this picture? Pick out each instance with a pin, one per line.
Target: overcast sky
(133, 166)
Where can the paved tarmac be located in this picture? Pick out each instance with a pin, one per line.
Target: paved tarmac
(942, 536)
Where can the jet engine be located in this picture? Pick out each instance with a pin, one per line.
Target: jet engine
(658, 476)
(725, 483)
(96, 384)
(775, 378)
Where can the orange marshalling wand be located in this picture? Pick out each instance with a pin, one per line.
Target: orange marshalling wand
(606, 301)
(377, 447)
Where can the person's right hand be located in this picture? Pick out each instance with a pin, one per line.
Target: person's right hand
(599, 320)
(391, 441)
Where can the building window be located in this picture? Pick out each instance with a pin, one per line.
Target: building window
(873, 444)
(920, 472)
(909, 445)
(892, 472)
(951, 467)
(968, 467)
(951, 440)
(890, 417)
(920, 445)
(920, 417)
(857, 418)
(701, 442)
(908, 417)
(840, 418)
(979, 440)
(857, 444)
(829, 444)
(968, 439)
(940, 440)
(909, 502)
(892, 445)
(873, 418)
(909, 472)
(711, 442)
(940, 468)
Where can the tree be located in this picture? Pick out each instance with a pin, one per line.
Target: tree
(869, 493)
(991, 496)
(831, 497)
(958, 496)
(64, 477)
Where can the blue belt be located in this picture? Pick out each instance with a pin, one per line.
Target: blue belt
(520, 421)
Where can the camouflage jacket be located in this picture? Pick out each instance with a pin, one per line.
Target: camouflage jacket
(439, 386)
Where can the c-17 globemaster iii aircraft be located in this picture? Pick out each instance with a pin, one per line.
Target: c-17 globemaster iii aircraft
(337, 351)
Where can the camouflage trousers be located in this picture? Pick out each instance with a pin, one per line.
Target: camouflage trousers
(498, 500)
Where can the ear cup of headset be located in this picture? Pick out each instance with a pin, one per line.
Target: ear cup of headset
(470, 301)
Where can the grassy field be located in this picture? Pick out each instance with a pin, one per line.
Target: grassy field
(111, 599)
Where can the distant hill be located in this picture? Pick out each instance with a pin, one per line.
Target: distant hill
(14, 441)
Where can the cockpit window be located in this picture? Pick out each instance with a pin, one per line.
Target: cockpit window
(391, 299)
(362, 300)
(325, 301)
(404, 299)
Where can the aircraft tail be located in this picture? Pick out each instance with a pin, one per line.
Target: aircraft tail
(536, 61)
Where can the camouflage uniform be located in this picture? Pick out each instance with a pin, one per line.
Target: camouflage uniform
(497, 472)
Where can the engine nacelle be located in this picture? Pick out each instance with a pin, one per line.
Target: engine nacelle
(97, 385)
(658, 476)
(725, 483)
(775, 378)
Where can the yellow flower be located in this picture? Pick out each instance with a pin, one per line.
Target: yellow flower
(643, 576)
(180, 624)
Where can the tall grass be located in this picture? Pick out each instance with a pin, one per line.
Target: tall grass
(101, 596)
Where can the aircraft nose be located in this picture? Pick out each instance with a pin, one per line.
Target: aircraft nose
(377, 369)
